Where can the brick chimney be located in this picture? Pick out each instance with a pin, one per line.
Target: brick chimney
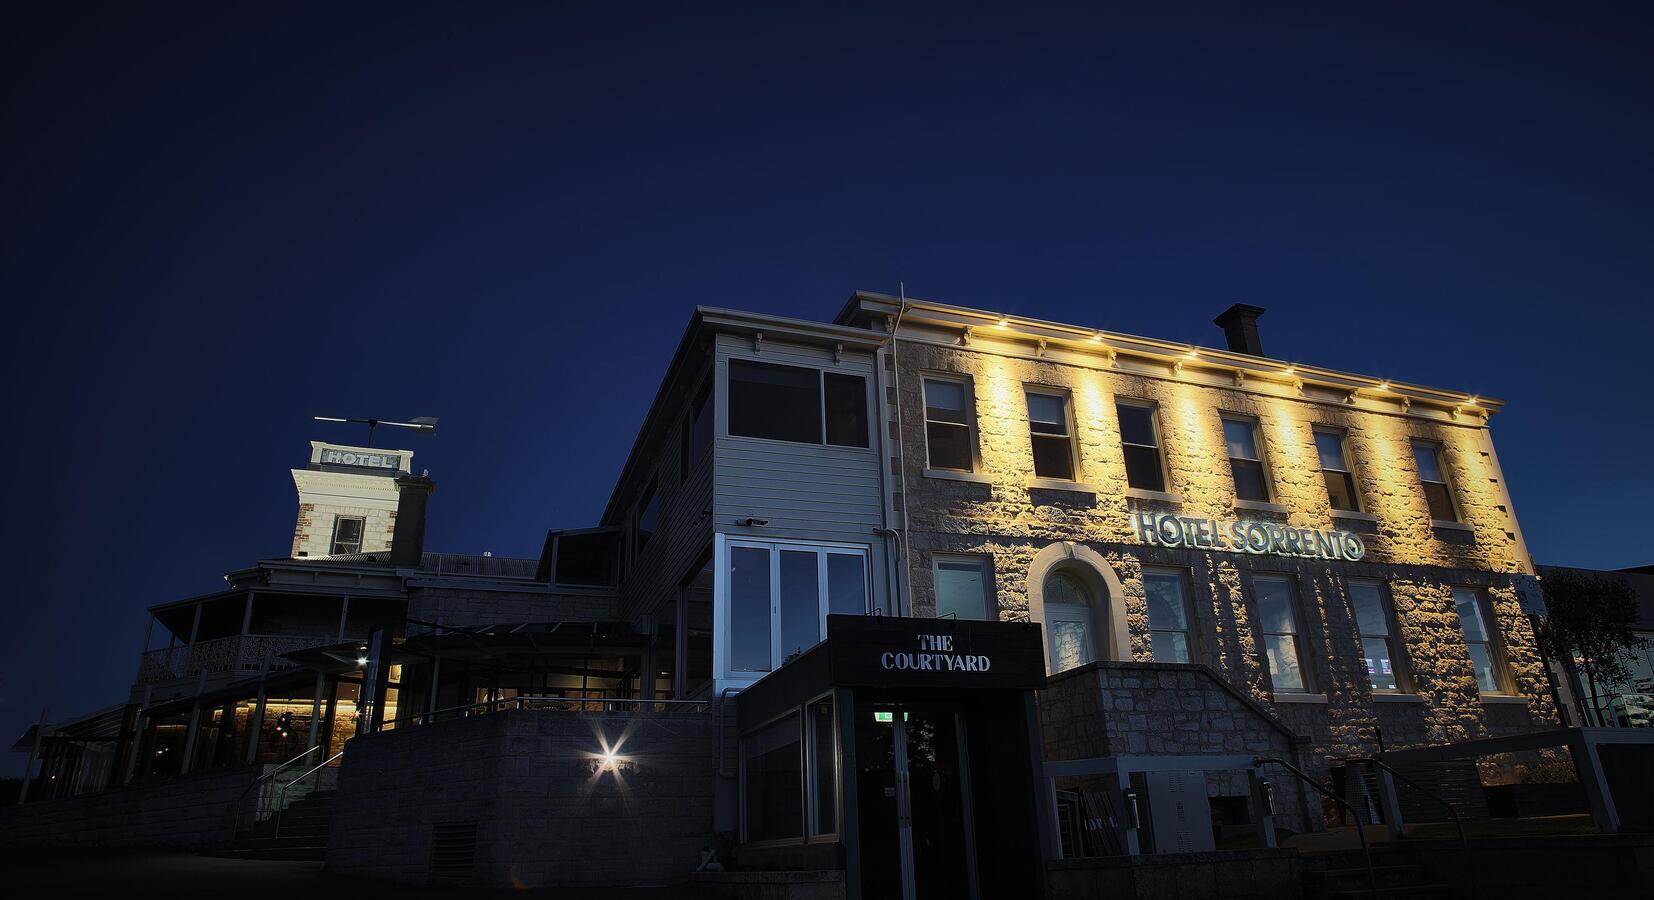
(413, 492)
(1240, 328)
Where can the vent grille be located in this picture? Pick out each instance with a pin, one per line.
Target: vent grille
(453, 850)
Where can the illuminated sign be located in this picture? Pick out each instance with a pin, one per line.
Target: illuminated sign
(935, 654)
(332, 457)
(1242, 536)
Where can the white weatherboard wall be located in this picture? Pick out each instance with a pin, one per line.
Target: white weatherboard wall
(326, 495)
(807, 492)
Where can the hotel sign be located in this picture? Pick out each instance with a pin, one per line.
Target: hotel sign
(888, 651)
(360, 460)
(1243, 536)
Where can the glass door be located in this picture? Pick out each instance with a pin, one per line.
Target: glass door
(918, 839)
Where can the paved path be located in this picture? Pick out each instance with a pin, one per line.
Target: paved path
(117, 875)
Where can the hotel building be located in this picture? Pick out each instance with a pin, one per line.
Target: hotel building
(896, 602)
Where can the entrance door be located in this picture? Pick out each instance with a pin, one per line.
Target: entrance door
(917, 835)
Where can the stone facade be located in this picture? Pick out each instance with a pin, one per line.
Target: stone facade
(525, 781)
(1000, 512)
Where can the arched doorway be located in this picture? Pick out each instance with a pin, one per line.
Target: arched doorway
(1074, 593)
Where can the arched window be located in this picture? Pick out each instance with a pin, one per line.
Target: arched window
(1068, 621)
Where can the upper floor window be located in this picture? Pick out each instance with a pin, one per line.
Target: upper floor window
(648, 516)
(793, 403)
(1378, 643)
(1168, 598)
(1240, 436)
(1331, 446)
(1140, 439)
(347, 534)
(1277, 611)
(1476, 620)
(1052, 434)
(964, 587)
(1433, 475)
(948, 424)
(583, 558)
(780, 595)
(697, 433)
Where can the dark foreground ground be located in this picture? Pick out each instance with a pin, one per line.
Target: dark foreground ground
(121, 875)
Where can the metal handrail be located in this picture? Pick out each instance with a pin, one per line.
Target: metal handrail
(1360, 832)
(1457, 822)
(281, 795)
(272, 773)
(570, 704)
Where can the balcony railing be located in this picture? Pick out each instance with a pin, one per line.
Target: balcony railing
(231, 657)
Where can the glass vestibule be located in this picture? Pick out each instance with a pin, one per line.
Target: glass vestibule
(779, 596)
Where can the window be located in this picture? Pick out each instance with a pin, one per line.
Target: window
(1476, 620)
(964, 587)
(1277, 608)
(823, 768)
(1068, 621)
(648, 517)
(1428, 455)
(1240, 435)
(1048, 423)
(772, 780)
(1168, 599)
(347, 534)
(780, 596)
(1330, 446)
(586, 558)
(792, 403)
(1140, 439)
(948, 424)
(1372, 619)
(697, 434)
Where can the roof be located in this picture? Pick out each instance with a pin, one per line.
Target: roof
(99, 725)
(867, 306)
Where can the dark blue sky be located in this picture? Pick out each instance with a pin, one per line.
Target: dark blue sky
(219, 221)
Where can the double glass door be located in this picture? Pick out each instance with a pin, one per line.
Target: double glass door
(917, 836)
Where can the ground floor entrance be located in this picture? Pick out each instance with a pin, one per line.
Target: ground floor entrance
(918, 828)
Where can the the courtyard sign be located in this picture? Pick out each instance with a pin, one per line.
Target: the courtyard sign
(1242, 536)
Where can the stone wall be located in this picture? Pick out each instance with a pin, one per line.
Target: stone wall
(999, 514)
(525, 780)
(1155, 709)
(195, 811)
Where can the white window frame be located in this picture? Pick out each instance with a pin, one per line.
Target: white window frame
(1439, 450)
(1254, 426)
(361, 535)
(969, 425)
(990, 603)
(725, 627)
(1185, 583)
(1300, 634)
(1349, 470)
(1068, 435)
(1159, 440)
(1398, 654)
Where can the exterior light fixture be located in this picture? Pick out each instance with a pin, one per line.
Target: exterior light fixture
(1384, 385)
(1096, 337)
(361, 660)
(1004, 321)
(1290, 369)
(1473, 400)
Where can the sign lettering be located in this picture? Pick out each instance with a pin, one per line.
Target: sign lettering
(332, 457)
(1243, 536)
(935, 654)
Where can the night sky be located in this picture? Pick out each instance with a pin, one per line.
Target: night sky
(218, 222)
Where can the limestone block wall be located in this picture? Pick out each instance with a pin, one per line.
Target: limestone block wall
(1001, 515)
(542, 816)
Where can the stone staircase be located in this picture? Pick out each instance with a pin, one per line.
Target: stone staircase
(297, 832)
(1344, 875)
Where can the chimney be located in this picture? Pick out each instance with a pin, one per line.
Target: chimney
(1240, 328)
(408, 541)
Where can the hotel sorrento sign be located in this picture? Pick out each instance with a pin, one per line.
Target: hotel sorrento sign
(1159, 529)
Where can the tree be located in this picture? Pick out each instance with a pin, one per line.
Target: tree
(1589, 621)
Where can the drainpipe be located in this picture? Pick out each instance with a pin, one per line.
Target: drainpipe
(900, 602)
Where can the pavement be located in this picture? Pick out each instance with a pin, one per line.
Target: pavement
(141, 874)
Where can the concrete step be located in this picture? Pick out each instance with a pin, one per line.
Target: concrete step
(314, 852)
(1355, 878)
(1407, 892)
